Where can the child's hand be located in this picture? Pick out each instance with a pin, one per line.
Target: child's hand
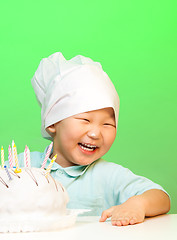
(151, 203)
(130, 212)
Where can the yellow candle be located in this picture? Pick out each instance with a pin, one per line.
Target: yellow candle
(2, 157)
(17, 170)
(50, 165)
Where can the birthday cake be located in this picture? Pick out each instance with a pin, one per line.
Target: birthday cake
(31, 200)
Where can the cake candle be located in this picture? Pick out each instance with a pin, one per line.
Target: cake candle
(8, 174)
(50, 165)
(13, 159)
(28, 163)
(26, 156)
(2, 157)
(10, 157)
(17, 170)
(47, 155)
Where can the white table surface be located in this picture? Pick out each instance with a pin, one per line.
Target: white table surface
(163, 227)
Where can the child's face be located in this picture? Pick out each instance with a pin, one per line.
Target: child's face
(83, 138)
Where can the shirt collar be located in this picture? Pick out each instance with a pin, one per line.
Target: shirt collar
(72, 171)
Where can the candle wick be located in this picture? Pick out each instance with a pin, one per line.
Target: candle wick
(31, 175)
(3, 182)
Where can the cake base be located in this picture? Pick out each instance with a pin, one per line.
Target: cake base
(36, 225)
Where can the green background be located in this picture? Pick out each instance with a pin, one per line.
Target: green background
(136, 43)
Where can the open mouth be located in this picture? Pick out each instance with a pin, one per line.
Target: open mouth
(87, 147)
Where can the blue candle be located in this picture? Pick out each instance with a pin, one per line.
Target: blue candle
(8, 174)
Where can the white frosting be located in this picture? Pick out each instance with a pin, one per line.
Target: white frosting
(31, 197)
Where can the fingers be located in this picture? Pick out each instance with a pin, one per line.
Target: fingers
(133, 221)
(122, 217)
(119, 221)
(124, 221)
(106, 214)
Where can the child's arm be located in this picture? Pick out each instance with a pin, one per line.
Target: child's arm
(135, 209)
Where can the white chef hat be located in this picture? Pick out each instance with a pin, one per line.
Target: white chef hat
(68, 87)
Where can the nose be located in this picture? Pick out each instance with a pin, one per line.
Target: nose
(94, 133)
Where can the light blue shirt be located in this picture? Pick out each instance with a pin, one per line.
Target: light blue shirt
(97, 186)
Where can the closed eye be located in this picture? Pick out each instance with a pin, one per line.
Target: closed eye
(109, 124)
(83, 119)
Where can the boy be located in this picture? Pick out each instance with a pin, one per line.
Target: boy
(79, 112)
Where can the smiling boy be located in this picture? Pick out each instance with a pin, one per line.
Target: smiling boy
(83, 138)
(79, 112)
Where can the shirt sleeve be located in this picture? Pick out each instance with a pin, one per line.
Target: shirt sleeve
(124, 184)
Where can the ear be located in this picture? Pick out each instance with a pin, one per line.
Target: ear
(51, 130)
